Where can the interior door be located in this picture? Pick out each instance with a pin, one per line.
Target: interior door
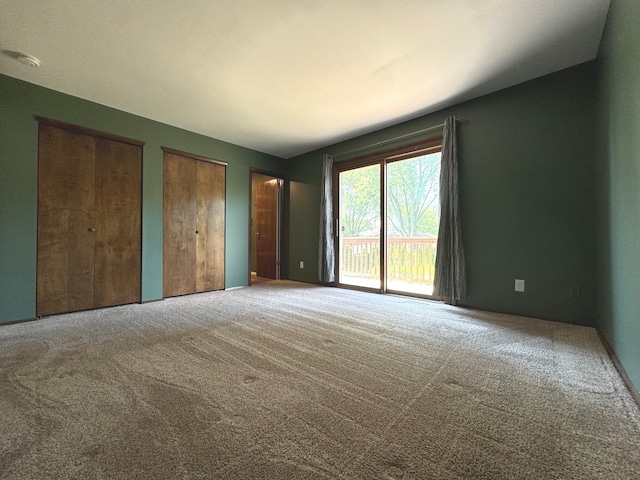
(66, 221)
(267, 228)
(179, 229)
(118, 227)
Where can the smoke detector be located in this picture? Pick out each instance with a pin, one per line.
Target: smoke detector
(29, 60)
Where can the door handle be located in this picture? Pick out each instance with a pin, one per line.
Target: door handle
(92, 229)
(257, 234)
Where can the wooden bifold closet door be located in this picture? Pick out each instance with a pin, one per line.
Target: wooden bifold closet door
(194, 224)
(89, 225)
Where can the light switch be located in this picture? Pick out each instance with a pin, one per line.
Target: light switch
(519, 285)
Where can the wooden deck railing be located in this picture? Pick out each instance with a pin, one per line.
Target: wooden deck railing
(409, 259)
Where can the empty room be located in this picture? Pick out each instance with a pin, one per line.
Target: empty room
(320, 239)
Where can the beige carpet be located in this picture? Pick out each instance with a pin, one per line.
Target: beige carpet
(292, 381)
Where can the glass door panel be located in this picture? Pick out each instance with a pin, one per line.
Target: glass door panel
(413, 218)
(359, 222)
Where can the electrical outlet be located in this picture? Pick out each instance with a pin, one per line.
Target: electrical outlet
(301, 264)
(519, 285)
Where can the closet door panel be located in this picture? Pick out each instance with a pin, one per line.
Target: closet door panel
(66, 218)
(179, 255)
(118, 230)
(210, 209)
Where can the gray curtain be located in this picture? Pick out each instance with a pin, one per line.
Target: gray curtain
(450, 280)
(326, 254)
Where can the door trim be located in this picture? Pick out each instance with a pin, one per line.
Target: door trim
(193, 156)
(197, 158)
(433, 144)
(87, 131)
(280, 269)
(96, 134)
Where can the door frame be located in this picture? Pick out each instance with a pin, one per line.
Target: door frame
(196, 158)
(96, 134)
(382, 159)
(338, 168)
(280, 223)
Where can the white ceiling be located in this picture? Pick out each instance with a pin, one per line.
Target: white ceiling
(289, 76)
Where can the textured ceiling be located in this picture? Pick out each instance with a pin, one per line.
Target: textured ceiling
(289, 76)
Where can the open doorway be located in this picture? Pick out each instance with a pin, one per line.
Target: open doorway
(265, 232)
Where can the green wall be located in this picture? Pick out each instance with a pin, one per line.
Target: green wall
(619, 184)
(527, 192)
(19, 101)
(535, 167)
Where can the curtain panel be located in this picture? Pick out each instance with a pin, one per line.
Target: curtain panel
(326, 252)
(450, 281)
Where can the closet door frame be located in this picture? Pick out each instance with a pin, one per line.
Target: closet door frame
(96, 134)
(280, 221)
(87, 131)
(381, 159)
(197, 158)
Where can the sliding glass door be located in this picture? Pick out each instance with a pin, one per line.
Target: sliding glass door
(359, 233)
(413, 218)
(387, 219)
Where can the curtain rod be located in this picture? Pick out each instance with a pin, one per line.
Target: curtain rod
(389, 140)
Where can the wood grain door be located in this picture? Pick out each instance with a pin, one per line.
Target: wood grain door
(210, 228)
(118, 226)
(179, 228)
(266, 228)
(194, 225)
(66, 221)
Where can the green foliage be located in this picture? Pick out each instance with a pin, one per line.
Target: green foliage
(413, 187)
(412, 202)
(360, 201)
